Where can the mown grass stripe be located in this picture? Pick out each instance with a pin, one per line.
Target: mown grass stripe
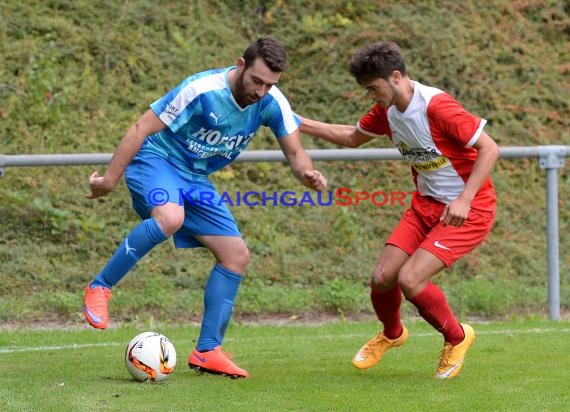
(75, 346)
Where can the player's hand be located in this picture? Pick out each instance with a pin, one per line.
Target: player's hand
(315, 180)
(99, 186)
(456, 212)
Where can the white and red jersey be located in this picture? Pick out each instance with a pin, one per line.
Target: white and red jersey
(435, 134)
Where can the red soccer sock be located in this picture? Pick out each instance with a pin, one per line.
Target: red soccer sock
(433, 307)
(387, 308)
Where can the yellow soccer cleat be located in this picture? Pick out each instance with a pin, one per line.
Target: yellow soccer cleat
(371, 353)
(452, 357)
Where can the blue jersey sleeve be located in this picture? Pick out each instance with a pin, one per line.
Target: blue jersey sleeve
(182, 103)
(279, 116)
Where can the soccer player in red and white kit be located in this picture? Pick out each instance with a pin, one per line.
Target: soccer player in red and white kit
(451, 160)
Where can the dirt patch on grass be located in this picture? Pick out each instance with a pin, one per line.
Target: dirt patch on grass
(312, 318)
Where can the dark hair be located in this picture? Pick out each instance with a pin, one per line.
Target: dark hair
(271, 50)
(376, 60)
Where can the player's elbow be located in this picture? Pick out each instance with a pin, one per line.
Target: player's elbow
(493, 152)
(497, 151)
(352, 143)
(355, 139)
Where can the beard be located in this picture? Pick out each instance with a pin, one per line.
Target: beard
(242, 98)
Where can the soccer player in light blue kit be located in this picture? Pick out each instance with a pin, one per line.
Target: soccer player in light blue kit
(197, 128)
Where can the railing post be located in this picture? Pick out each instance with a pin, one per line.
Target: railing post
(551, 158)
(2, 164)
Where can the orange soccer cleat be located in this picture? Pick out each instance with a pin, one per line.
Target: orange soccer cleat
(217, 362)
(95, 306)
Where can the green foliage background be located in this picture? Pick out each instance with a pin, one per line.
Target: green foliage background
(75, 75)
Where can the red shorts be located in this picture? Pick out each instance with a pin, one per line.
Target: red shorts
(420, 227)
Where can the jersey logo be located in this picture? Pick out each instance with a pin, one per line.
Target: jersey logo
(213, 116)
(431, 166)
(207, 143)
(423, 159)
(439, 245)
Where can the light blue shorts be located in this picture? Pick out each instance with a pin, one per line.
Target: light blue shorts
(153, 181)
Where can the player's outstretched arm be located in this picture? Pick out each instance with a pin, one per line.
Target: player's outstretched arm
(300, 162)
(339, 134)
(128, 147)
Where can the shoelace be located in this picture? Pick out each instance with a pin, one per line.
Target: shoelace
(444, 357)
(100, 299)
(368, 349)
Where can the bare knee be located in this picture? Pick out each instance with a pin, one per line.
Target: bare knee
(169, 217)
(236, 261)
(382, 280)
(410, 282)
(385, 275)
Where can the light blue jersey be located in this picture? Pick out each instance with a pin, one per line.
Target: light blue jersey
(207, 129)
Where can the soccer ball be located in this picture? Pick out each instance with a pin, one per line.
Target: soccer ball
(150, 356)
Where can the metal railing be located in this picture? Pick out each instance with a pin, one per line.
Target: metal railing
(551, 158)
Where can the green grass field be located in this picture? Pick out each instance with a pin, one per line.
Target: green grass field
(75, 75)
(519, 365)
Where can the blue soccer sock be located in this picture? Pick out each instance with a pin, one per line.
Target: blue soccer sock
(219, 295)
(138, 243)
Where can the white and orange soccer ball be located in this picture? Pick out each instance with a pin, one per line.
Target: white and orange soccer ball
(150, 356)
